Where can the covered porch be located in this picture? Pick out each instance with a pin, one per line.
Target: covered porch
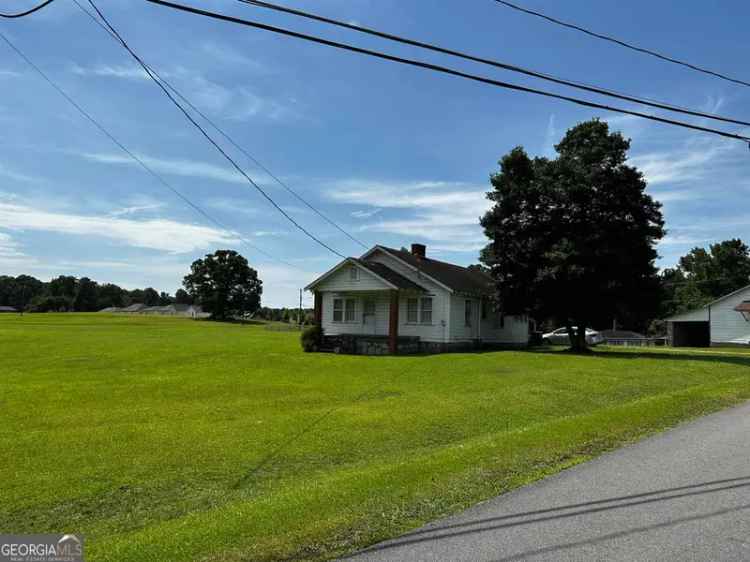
(364, 322)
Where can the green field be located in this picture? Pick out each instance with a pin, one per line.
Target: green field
(167, 439)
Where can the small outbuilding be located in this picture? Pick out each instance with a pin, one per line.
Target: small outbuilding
(725, 321)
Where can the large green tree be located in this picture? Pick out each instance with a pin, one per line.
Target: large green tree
(224, 285)
(573, 238)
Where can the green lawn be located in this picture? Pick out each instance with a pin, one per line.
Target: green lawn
(167, 439)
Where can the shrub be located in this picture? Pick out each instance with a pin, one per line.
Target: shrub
(311, 337)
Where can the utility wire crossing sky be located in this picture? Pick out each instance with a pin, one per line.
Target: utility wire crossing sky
(384, 154)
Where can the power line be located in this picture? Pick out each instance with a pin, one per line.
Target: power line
(209, 138)
(230, 139)
(623, 43)
(131, 154)
(442, 69)
(494, 63)
(27, 12)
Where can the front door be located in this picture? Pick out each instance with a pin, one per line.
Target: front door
(368, 316)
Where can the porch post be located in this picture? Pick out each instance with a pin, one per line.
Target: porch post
(318, 311)
(393, 324)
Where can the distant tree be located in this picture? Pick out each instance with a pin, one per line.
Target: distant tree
(224, 285)
(86, 298)
(26, 289)
(51, 303)
(573, 238)
(182, 297)
(150, 297)
(110, 295)
(704, 275)
(7, 290)
(63, 286)
(165, 299)
(137, 296)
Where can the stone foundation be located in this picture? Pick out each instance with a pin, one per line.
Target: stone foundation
(356, 344)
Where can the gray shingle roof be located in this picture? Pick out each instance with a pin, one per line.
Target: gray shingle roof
(455, 277)
(389, 275)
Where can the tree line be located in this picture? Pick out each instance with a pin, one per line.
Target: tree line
(67, 293)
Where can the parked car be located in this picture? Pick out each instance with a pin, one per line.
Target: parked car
(560, 337)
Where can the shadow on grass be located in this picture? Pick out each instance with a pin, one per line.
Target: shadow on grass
(491, 525)
(724, 356)
(741, 359)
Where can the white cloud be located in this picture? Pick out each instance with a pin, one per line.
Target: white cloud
(4, 73)
(127, 72)
(444, 212)
(223, 53)
(550, 137)
(176, 167)
(236, 104)
(688, 161)
(683, 240)
(134, 209)
(14, 175)
(674, 167)
(9, 248)
(156, 234)
(365, 214)
(676, 195)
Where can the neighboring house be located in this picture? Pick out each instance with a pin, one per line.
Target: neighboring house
(188, 310)
(135, 307)
(725, 321)
(390, 301)
(7, 309)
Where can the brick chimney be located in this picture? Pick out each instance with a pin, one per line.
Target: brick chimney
(419, 250)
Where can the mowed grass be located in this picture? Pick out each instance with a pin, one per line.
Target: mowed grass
(167, 439)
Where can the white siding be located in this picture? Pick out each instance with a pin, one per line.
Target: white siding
(382, 314)
(459, 330)
(340, 281)
(726, 323)
(435, 331)
(514, 330)
(438, 330)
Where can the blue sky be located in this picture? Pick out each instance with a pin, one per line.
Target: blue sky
(394, 154)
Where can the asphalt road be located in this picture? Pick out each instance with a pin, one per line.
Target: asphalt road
(682, 495)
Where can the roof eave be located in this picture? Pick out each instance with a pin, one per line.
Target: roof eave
(339, 265)
(407, 264)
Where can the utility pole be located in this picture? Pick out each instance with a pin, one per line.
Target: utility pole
(300, 309)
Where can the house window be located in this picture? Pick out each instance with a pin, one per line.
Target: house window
(353, 274)
(484, 309)
(368, 308)
(425, 316)
(338, 310)
(412, 311)
(467, 313)
(349, 310)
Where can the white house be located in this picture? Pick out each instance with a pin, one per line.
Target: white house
(725, 321)
(391, 301)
